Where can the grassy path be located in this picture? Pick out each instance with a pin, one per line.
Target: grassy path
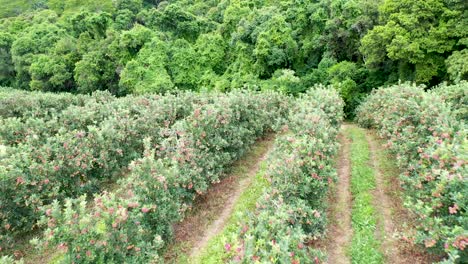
(200, 235)
(214, 250)
(394, 219)
(387, 232)
(366, 213)
(378, 219)
(365, 246)
(340, 231)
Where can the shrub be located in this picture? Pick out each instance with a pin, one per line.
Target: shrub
(429, 141)
(82, 158)
(17, 103)
(457, 96)
(133, 221)
(275, 235)
(291, 213)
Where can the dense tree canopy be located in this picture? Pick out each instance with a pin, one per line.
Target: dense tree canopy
(418, 35)
(139, 46)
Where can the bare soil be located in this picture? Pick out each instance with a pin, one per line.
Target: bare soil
(340, 230)
(394, 220)
(213, 209)
(382, 202)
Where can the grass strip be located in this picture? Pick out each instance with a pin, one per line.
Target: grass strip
(215, 252)
(365, 247)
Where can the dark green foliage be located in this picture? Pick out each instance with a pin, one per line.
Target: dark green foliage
(290, 45)
(30, 45)
(418, 36)
(147, 72)
(7, 70)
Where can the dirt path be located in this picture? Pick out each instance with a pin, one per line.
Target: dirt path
(340, 233)
(394, 220)
(388, 233)
(212, 210)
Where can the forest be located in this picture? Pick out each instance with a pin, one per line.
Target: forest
(138, 46)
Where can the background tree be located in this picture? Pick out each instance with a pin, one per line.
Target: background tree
(39, 39)
(97, 68)
(7, 69)
(288, 45)
(457, 65)
(183, 65)
(147, 72)
(275, 46)
(418, 36)
(54, 71)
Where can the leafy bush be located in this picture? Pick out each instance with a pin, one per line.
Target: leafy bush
(96, 112)
(430, 142)
(284, 80)
(291, 213)
(9, 260)
(17, 103)
(96, 148)
(275, 235)
(457, 96)
(131, 223)
(326, 99)
(126, 226)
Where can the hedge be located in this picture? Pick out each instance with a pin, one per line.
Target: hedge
(132, 223)
(292, 212)
(92, 149)
(428, 135)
